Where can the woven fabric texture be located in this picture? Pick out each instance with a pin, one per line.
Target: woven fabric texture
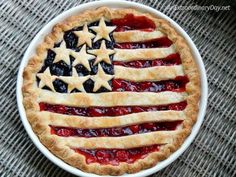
(213, 152)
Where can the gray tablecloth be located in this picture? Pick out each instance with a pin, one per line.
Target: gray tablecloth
(213, 152)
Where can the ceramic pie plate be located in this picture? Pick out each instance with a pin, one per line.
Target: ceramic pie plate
(112, 4)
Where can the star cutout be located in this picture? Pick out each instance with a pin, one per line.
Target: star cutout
(46, 79)
(62, 53)
(102, 53)
(74, 81)
(102, 30)
(84, 36)
(82, 57)
(101, 79)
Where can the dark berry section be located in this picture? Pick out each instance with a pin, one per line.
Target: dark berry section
(50, 57)
(131, 22)
(71, 39)
(115, 131)
(109, 111)
(60, 86)
(154, 43)
(115, 156)
(177, 85)
(173, 59)
(62, 69)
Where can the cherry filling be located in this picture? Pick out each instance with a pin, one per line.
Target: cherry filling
(109, 111)
(159, 42)
(115, 131)
(115, 156)
(178, 85)
(131, 22)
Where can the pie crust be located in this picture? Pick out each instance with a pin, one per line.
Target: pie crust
(62, 147)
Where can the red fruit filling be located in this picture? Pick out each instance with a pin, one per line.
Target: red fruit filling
(109, 111)
(177, 85)
(173, 59)
(159, 42)
(131, 22)
(115, 156)
(115, 131)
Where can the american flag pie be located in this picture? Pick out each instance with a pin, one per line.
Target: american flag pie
(112, 91)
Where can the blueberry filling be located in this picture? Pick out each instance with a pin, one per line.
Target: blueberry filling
(88, 85)
(81, 70)
(60, 86)
(62, 69)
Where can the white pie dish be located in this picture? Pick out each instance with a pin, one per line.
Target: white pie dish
(120, 4)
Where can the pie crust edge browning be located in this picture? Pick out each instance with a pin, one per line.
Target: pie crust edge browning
(55, 145)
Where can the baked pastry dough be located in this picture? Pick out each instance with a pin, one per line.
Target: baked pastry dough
(156, 73)
(136, 36)
(112, 91)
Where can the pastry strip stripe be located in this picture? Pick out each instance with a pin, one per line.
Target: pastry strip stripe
(111, 98)
(156, 73)
(125, 142)
(136, 36)
(142, 54)
(83, 122)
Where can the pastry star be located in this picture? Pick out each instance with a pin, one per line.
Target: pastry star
(46, 79)
(74, 81)
(82, 57)
(102, 53)
(102, 30)
(62, 53)
(101, 79)
(84, 36)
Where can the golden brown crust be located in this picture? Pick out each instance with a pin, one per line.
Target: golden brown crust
(30, 94)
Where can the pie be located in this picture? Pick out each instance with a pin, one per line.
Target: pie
(112, 91)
